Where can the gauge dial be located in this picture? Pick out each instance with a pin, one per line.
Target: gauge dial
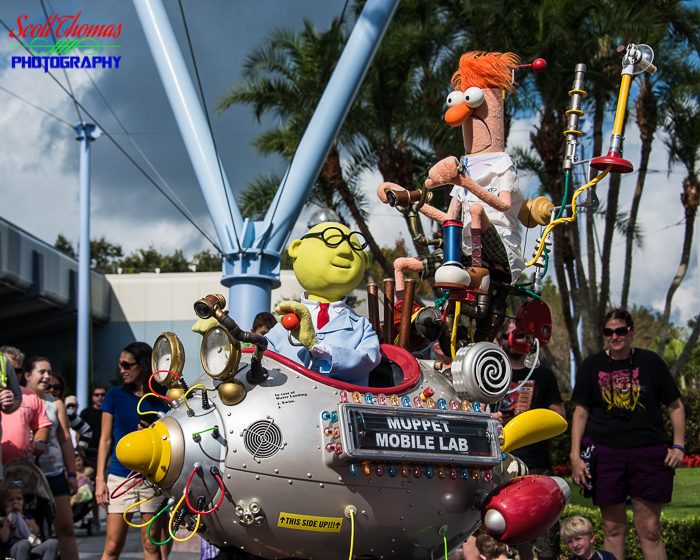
(168, 354)
(219, 353)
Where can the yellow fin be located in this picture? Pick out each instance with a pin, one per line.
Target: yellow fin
(531, 427)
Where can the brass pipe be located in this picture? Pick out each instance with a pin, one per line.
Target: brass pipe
(373, 306)
(388, 311)
(405, 326)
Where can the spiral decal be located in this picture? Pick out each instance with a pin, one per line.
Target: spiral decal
(492, 374)
(481, 372)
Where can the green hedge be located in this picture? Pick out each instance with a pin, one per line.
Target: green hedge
(680, 536)
(691, 401)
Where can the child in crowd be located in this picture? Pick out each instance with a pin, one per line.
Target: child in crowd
(85, 475)
(263, 322)
(490, 549)
(578, 534)
(18, 534)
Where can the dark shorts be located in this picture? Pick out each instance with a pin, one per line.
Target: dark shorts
(638, 472)
(58, 484)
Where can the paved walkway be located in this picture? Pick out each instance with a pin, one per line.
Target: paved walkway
(91, 547)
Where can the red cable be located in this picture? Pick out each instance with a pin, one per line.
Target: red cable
(136, 476)
(187, 494)
(150, 383)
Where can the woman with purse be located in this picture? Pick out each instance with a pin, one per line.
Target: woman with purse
(619, 396)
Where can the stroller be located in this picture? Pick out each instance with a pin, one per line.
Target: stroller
(83, 502)
(38, 499)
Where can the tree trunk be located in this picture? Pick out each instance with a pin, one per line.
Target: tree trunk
(547, 142)
(691, 191)
(687, 349)
(332, 172)
(593, 337)
(632, 221)
(608, 234)
(647, 119)
(566, 300)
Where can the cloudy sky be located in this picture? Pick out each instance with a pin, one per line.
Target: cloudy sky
(39, 156)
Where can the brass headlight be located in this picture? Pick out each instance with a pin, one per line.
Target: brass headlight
(168, 354)
(219, 353)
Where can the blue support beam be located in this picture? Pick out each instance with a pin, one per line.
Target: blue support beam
(252, 249)
(191, 121)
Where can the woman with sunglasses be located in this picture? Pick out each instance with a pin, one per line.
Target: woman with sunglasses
(619, 396)
(58, 462)
(120, 417)
(57, 386)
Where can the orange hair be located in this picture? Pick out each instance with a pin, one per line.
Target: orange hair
(485, 70)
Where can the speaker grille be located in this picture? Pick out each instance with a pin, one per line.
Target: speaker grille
(262, 439)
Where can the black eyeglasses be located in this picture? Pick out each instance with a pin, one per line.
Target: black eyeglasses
(619, 331)
(98, 394)
(333, 237)
(127, 365)
(54, 387)
(71, 406)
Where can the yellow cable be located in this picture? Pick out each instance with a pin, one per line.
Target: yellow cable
(134, 525)
(172, 517)
(138, 405)
(352, 534)
(455, 324)
(197, 386)
(568, 219)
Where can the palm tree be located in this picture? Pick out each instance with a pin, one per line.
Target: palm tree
(646, 117)
(683, 143)
(676, 32)
(283, 78)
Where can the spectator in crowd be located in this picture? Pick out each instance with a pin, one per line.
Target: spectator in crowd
(57, 386)
(578, 534)
(93, 416)
(79, 428)
(58, 463)
(619, 396)
(10, 392)
(529, 391)
(263, 322)
(490, 549)
(85, 478)
(15, 356)
(24, 432)
(120, 417)
(18, 533)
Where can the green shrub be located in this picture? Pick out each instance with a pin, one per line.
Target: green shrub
(679, 535)
(691, 402)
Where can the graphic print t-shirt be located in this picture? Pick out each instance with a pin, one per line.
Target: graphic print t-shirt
(540, 391)
(624, 398)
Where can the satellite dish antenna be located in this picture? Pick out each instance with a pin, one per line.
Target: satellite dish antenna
(322, 215)
(638, 59)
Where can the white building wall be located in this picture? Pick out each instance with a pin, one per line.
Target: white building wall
(147, 304)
